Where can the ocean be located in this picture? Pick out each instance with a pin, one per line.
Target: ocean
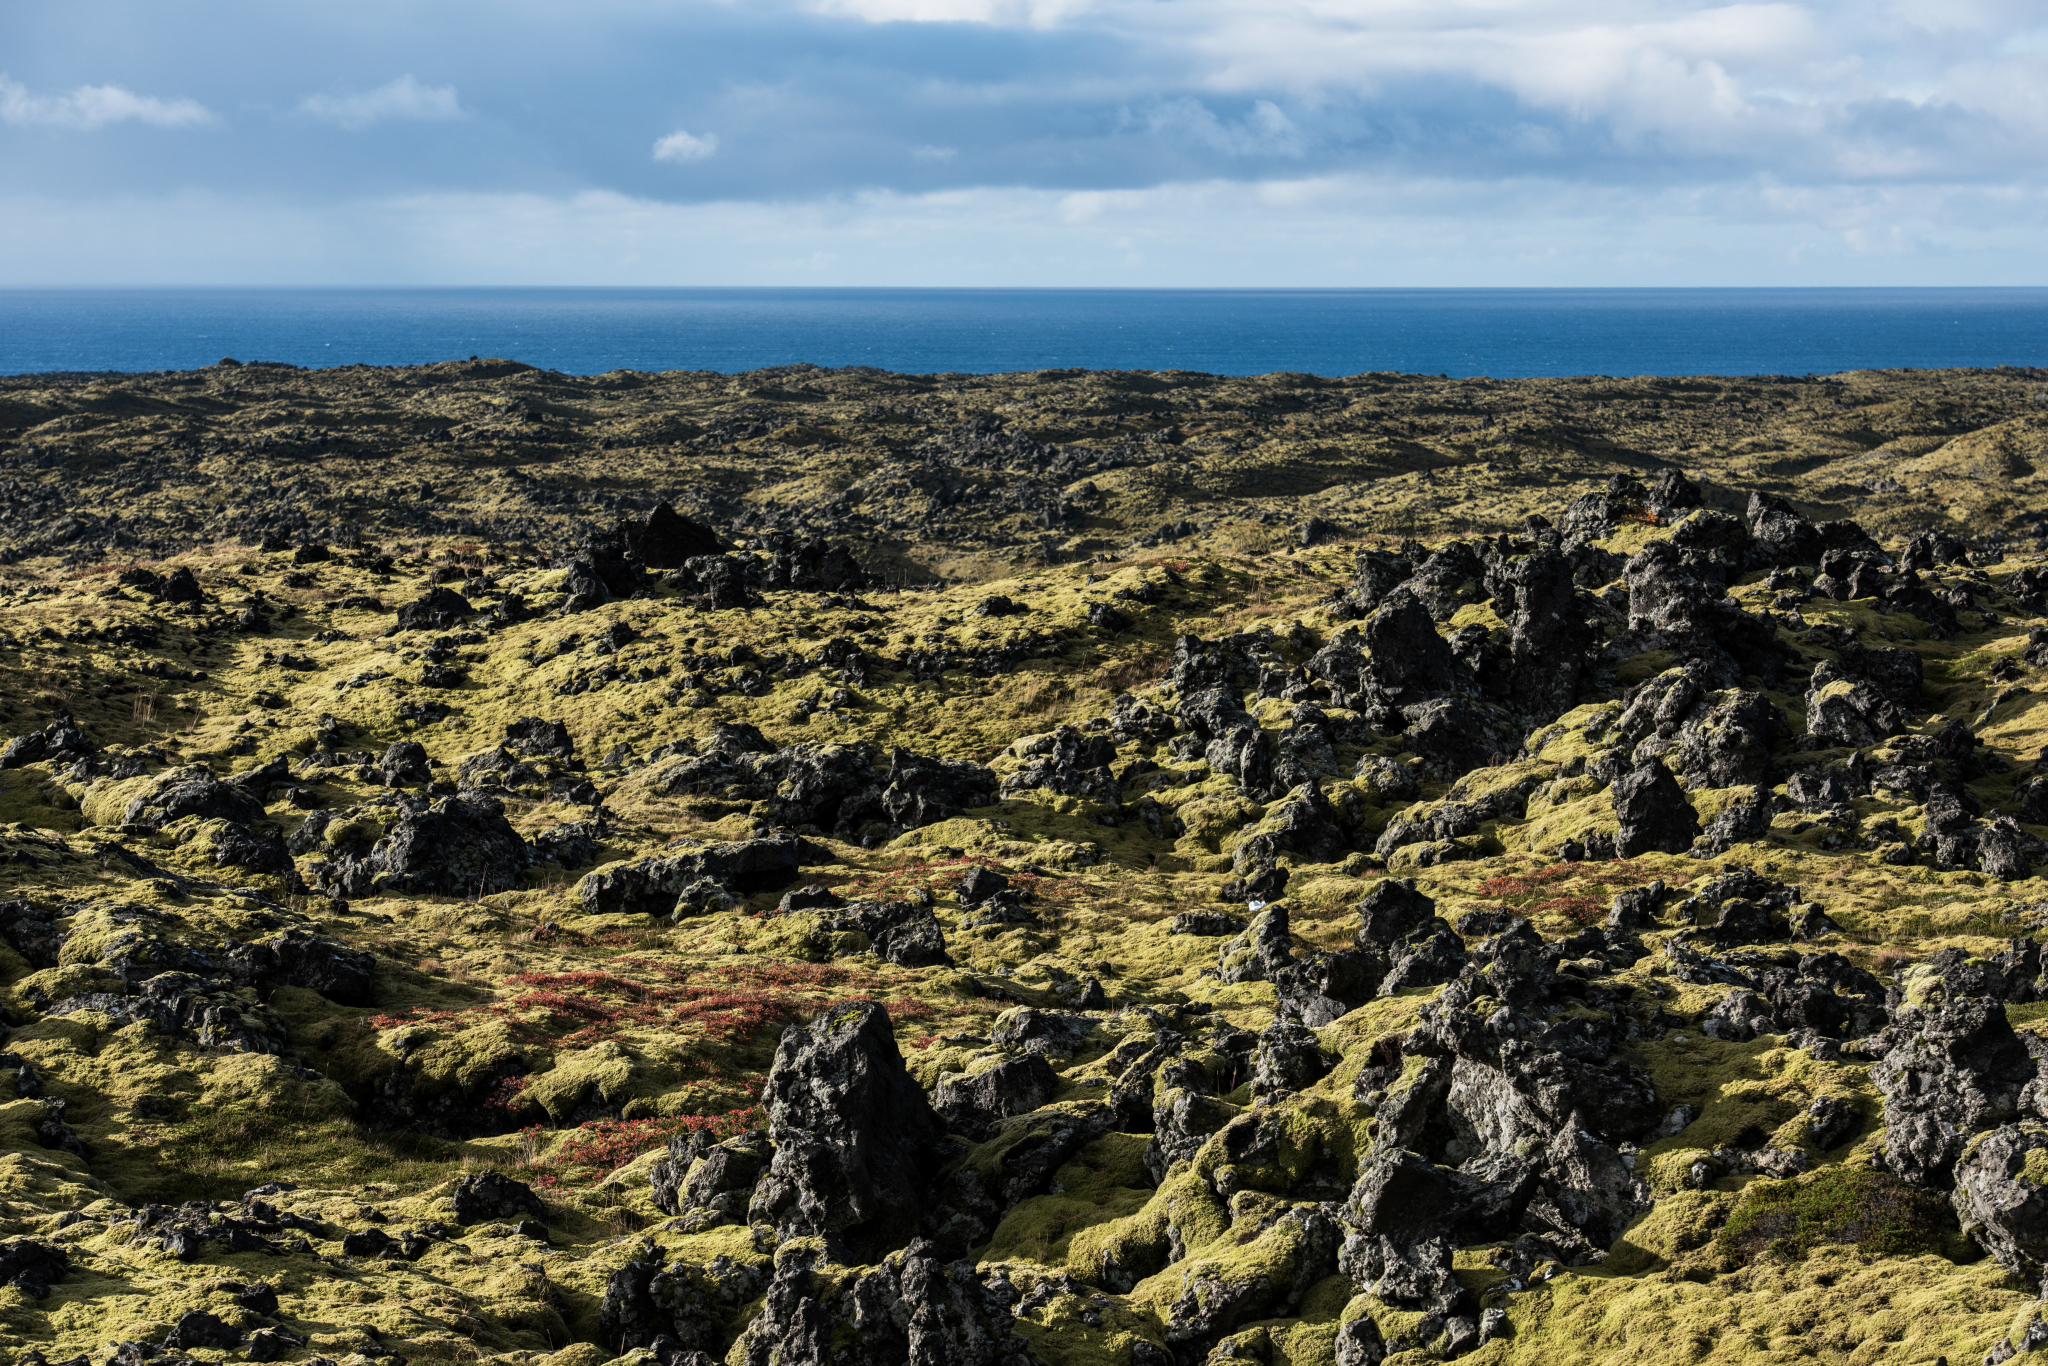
(1505, 333)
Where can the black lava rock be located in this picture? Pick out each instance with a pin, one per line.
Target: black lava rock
(437, 609)
(485, 1196)
(1652, 812)
(856, 1142)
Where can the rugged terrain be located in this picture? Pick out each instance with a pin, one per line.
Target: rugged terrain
(830, 868)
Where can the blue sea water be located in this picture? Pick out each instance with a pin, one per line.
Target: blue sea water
(1497, 332)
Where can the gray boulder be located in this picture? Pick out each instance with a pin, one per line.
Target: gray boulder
(1054, 1033)
(405, 764)
(914, 1309)
(1288, 1057)
(899, 932)
(531, 735)
(191, 792)
(1729, 742)
(1845, 711)
(59, 742)
(32, 1267)
(297, 957)
(710, 1183)
(1391, 911)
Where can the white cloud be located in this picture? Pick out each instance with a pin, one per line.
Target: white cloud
(1763, 81)
(1224, 141)
(96, 106)
(681, 146)
(1332, 230)
(1337, 230)
(403, 100)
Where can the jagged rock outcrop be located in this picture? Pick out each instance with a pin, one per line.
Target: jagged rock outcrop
(912, 1308)
(857, 1145)
(1999, 1202)
(844, 789)
(297, 957)
(193, 791)
(1071, 764)
(1843, 710)
(899, 932)
(1957, 1070)
(710, 1183)
(438, 609)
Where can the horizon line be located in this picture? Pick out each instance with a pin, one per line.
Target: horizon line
(1054, 289)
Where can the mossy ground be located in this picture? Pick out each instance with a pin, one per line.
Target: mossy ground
(595, 1038)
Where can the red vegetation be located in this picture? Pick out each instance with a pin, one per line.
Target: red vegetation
(1583, 907)
(600, 1147)
(1580, 910)
(503, 1098)
(719, 1002)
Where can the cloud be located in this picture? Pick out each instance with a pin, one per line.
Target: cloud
(404, 100)
(1771, 86)
(96, 106)
(1338, 230)
(1006, 13)
(1093, 111)
(1265, 131)
(681, 146)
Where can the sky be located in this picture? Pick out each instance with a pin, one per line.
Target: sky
(1175, 143)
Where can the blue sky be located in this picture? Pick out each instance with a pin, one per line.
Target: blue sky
(1025, 142)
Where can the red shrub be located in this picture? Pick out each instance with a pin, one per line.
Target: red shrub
(1582, 910)
(1581, 906)
(601, 1146)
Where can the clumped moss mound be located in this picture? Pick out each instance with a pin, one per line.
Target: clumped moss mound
(1855, 1207)
(838, 867)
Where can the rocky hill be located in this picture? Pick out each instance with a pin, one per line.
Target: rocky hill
(830, 868)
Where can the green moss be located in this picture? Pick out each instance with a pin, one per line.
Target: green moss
(1637, 668)
(1871, 1211)
(107, 802)
(1107, 1181)
(1572, 819)
(219, 1152)
(672, 1023)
